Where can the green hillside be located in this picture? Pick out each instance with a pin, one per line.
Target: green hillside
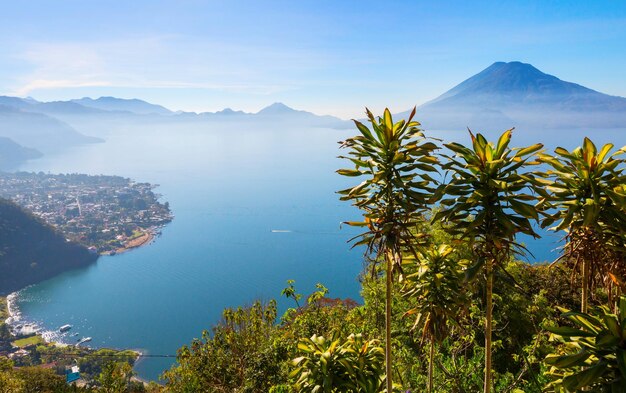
(31, 251)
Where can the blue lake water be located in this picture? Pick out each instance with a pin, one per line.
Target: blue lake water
(229, 186)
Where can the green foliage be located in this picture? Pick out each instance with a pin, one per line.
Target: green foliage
(354, 365)
(243, 354)
(396, 159)
(93, 363)
(436, 289)
(585, 188)
(32, 251)
(281, 389)
(115, 377)
(290, 292)
(318, 295)
(593, 354)
(32, 380)
(486, 185)
(11, 384)
(37, 379)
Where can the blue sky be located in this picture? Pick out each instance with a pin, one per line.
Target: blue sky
(329, 57)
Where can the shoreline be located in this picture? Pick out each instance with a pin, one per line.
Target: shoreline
(137, 242)
(18, 326)
(10, 298)
(146, 237)
(14, 318)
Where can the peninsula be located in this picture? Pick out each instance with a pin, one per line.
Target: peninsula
(107, 214)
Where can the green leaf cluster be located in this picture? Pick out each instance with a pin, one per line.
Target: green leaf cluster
(491, 195)
(354, 365)
(395, 159)
(593, 355)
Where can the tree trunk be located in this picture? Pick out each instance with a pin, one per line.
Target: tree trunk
(431, 361)
(388, 360)
(585, 287)
(488, 323)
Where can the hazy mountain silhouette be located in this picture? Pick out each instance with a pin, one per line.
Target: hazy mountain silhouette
(518, 94)
(39, 131)
(13, 154)
(85, 106)
(126, 105)
(278, 110)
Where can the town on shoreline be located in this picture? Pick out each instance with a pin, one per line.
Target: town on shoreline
(107, 214)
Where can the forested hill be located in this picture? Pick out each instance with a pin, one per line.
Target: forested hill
(31, 251)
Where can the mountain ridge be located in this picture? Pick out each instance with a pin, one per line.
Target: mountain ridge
(114, 104)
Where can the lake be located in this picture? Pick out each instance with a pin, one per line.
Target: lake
(254, 206)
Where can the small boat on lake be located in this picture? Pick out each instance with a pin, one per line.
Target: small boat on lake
(65, 328)
(83, 340)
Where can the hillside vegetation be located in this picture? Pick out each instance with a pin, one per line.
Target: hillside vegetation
(31, 251)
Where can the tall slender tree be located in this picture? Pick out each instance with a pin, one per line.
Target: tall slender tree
(486, 203)
(395, 159)
(586, 188)
(436, 287)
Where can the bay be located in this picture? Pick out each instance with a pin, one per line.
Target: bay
(229, 188)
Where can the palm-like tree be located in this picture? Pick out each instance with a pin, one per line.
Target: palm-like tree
(436, 286)
(487, 204)
(395, 159)
(586, 187)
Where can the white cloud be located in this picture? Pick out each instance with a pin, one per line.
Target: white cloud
(166, 62)
(40, 84)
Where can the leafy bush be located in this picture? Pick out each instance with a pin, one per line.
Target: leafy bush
(353, 366)
(593, 354)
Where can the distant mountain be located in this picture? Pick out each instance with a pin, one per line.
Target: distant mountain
(517, 94)
(85, 106)
(53, 107)
(126, 105)
(86, 111)
(223, 114)
(17, 103)
(39, 131)
(280, 111)
(63, 108)
(31, 251)
(13, 154)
